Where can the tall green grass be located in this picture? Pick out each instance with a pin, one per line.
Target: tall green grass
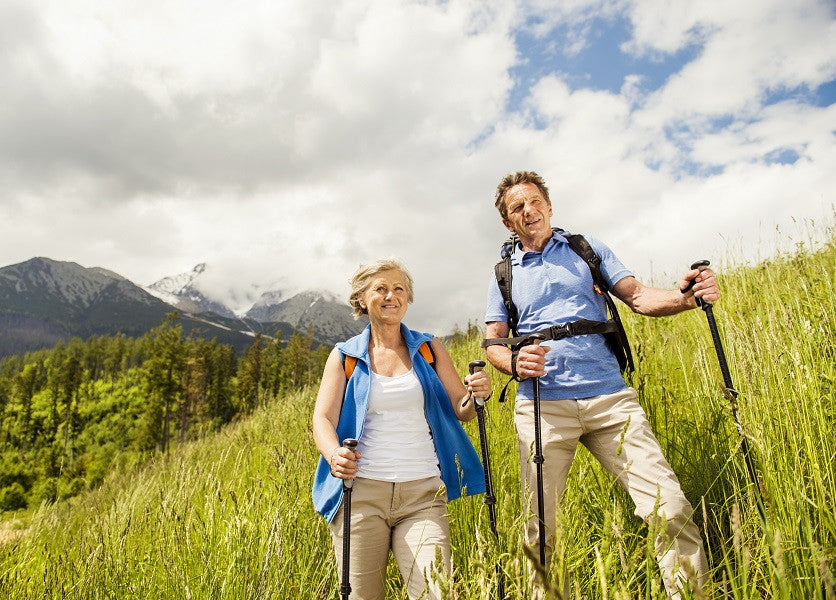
(230, 516)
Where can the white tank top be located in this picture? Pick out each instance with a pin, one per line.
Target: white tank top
(396, 443)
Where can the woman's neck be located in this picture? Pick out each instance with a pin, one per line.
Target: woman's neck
(386, 335)
(388, 353)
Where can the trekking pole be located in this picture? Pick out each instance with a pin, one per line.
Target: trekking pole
(538, 461)
(348, 484)
(729, 393)
(489, 499)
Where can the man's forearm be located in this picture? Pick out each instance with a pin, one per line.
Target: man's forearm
(500, 358)
(654, 302)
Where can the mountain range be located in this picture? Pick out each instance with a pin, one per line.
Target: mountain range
(44, 301)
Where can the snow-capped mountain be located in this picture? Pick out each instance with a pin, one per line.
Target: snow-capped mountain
(184, 291)
(330, 316)
(169, 288)
(43, 301)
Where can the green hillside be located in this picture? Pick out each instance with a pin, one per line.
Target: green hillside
(229, 516)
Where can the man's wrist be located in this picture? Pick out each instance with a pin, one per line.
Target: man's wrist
(514, 373)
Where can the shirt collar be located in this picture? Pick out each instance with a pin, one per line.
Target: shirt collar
(557, 238)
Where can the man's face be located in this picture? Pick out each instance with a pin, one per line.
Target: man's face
(529, 214)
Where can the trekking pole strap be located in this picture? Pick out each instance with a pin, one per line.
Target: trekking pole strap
(555, 332)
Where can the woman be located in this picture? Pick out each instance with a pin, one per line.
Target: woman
(412, 456)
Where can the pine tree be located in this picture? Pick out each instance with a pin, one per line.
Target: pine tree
(24, 387)
(249, 376)
(295, 360)
(164, 376)
(71, 376)
(272, 360)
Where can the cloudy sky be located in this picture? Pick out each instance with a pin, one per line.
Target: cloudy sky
(286, 142)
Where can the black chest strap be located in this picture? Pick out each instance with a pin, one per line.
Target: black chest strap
(555, 332)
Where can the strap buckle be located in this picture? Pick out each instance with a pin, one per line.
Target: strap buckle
(558, 332)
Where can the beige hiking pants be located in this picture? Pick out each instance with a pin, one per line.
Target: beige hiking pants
(411, 519)
(636, 462)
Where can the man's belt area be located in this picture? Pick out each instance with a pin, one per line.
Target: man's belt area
(555, 332)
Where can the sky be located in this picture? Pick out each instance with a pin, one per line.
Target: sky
(286, 142)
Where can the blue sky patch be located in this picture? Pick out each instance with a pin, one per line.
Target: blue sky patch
(600, 65)
(782, 156)
(823, 95)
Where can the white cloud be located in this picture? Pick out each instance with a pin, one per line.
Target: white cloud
(291, 141)
(745, 53)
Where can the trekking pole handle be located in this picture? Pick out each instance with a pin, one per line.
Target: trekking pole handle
(351, 444)
(474, 366)
(700, 265)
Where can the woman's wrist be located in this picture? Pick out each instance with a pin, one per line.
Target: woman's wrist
(332, 455)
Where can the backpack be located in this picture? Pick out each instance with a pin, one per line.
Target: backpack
(612, 329)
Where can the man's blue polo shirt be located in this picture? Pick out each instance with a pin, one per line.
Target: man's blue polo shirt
(551, 288)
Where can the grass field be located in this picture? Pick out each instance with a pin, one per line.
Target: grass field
(230, 516)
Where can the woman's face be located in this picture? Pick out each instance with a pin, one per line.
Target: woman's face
(386, 297)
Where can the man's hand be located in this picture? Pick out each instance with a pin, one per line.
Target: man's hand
(705, 284)
(531, 361)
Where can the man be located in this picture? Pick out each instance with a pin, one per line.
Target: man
(584, 397)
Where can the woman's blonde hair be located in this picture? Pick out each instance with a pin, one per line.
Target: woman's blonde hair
(362, 278)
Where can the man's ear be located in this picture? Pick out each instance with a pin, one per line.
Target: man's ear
(508, 225)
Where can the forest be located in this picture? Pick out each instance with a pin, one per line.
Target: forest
(72, 414)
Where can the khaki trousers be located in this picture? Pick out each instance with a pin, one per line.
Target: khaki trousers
(615, 430)
(411, 519)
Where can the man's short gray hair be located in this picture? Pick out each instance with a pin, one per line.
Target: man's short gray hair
(512, 179)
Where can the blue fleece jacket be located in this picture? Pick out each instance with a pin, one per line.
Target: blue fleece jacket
(461, 469)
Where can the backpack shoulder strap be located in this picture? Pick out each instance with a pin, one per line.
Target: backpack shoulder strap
(582, 248)
(425, 349)
(349, 362)
(619, 343)
(503, 279)
(503, 273)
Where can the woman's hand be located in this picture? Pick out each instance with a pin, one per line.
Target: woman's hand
(478, 384)
(343, 462)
